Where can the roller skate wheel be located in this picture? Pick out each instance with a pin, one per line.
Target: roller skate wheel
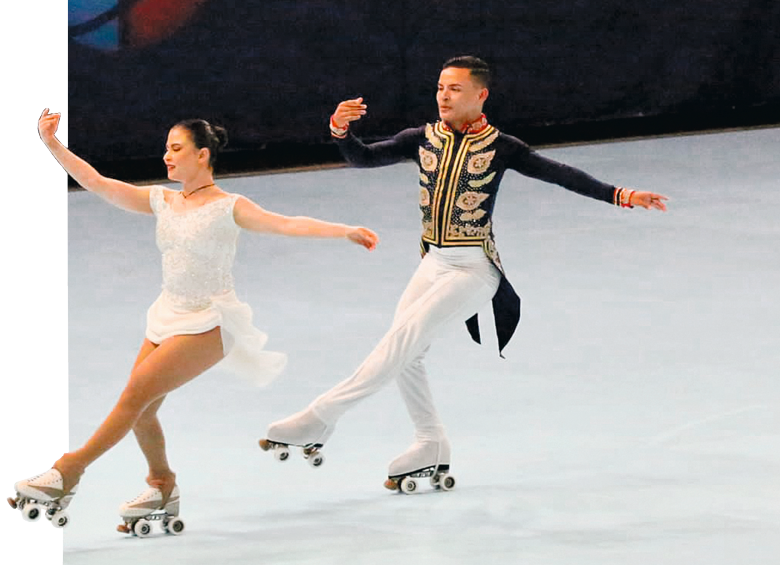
(447, 482)
(31, 512)
(281, 453)
(435, 481)
(60, 519)
(315, 459)
(408, 485)
(142, 528)
(174, 526)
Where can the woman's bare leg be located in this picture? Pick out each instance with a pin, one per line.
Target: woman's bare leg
(149, 435)
(172, 364)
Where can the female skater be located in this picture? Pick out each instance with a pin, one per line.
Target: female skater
(197, 319)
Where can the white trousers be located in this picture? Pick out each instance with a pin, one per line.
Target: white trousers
(449, 286)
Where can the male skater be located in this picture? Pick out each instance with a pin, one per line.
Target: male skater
(461, 160)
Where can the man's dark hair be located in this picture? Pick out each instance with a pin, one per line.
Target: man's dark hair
(480, 71)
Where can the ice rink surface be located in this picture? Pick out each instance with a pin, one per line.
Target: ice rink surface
(633, 421)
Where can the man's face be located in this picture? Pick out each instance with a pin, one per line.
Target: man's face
(459, 97)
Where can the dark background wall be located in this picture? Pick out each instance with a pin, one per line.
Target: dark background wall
(272, 71)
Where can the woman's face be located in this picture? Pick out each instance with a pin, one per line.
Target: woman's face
(182, 158)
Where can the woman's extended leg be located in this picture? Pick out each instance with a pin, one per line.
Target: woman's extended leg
(167, 367)
(149, 435)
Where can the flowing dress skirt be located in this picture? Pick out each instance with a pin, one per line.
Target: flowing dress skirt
(243, 343)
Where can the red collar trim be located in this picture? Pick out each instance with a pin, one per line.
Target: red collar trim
(474, 127)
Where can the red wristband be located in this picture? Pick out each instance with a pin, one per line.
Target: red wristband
(336, 131)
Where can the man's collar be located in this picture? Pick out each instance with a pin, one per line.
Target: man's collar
(474, 127)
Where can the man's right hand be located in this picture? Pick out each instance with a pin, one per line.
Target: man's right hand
(348, 111)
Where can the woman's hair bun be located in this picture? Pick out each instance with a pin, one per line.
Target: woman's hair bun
(221, 134)
(203, 134)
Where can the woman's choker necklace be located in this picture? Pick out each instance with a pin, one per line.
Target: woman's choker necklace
(185, 195)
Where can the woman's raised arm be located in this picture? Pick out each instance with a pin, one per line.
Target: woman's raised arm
(120, 194)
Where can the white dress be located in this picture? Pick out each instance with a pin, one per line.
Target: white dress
(198, 247)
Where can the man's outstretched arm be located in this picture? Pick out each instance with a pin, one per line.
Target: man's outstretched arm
(528, 162)
(398, 148)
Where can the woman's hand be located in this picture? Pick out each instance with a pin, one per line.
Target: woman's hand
(47, 125)
(363, 236)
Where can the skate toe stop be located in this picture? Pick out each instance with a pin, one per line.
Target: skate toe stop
(391, 484)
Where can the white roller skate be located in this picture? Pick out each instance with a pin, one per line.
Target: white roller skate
(424, 459)
(150, 506)
(303, 429)
(43, 495)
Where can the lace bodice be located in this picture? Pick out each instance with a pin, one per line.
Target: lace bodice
(198, 247)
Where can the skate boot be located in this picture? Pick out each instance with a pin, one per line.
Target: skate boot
(422, 460)
(43, 495)
(151, 506)
(305, 430)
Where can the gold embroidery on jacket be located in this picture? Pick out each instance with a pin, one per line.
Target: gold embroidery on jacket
(459, 232)
(428, 160)
(451, 211)
(453, 180)
(441, 179)
(432, 137)
(425, 197)
(472, 216)
(479, 163)
(471, 200)
(490, 250)
(456, 231)
(452, 190)
(482, 144)
(476, 183)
